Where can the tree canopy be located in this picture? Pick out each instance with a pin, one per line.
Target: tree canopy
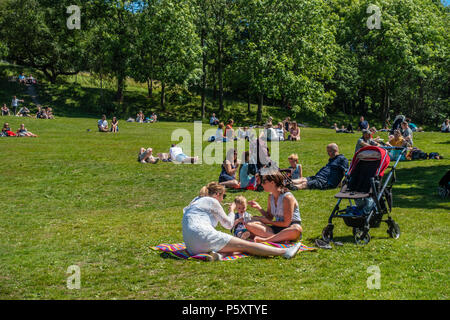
(306, 55)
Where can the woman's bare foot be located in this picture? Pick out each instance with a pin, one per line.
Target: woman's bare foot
(259, 239)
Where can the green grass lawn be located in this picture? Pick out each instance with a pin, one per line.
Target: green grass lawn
(72, 197)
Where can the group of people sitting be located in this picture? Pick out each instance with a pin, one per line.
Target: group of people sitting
(175, 154)
(21, 132)
(44, 113)
(103, 125)
(26, 80)
(280, 222)
(327, 177)
(401, 137)
(278, 132)
(140, 118)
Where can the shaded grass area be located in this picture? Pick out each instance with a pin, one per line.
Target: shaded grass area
(73, 197)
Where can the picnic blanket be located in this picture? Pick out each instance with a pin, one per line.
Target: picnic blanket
(178, 250)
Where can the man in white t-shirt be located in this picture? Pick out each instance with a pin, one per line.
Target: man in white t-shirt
(102, 124)
(176, 154)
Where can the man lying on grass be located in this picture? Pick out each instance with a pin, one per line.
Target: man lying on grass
(329, 176)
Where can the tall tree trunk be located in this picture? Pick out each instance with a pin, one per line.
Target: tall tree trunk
(150, 87)
(248, 102)
(204, 75)
(163, 96)
(221, 108)
(101, 88)
(120, 87)
(260, 106)
(386, 105)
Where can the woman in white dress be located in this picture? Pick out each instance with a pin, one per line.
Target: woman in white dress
(200, 219)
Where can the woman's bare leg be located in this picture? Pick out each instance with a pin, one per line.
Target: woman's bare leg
(259, 229)
(230, 184)
(291, 233)
(257, 249)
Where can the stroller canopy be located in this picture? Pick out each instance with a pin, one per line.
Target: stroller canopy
(371, 153)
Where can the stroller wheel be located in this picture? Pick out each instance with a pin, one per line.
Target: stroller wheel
(327, 233)
(394, 230)
(443, 192)
(361, 236)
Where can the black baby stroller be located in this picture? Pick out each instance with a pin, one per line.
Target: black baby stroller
(363, 184)
(444, 186)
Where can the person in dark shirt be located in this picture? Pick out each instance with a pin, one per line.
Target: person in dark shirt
(330, 175)
(363, 124)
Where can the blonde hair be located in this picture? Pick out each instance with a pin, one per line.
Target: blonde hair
(293, 156)
(211, 189)
(240, 200)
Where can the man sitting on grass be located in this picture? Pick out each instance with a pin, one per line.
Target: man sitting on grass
(329, 176)
(102, 124)
(365, 140)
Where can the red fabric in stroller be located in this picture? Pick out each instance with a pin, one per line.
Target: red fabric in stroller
(384, 163)
(368, 162)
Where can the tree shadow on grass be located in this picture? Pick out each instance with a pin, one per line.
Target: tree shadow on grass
(444, 142)
(421, 191)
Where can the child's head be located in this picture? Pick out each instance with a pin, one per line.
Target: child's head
(241, 204)
(293, 160)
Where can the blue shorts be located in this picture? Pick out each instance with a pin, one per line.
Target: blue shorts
(225, 177)
(181, 157)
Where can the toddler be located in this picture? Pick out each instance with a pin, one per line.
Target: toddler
(242, 216)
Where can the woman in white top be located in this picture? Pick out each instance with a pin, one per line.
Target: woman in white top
(200, 219)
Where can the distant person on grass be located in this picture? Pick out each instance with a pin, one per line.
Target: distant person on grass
(445, 126)
(23, 112)
(294, 132)
(114, 125)
(102, 124)
(23, 132)
(407, 132)
(6, 131)
(200, 219)
(329, 176)
(363, 124)
(213, 120)
(176, 154)
(230, 165)
(5, 110)
(15, 103)
(281, 206)
(146, 156)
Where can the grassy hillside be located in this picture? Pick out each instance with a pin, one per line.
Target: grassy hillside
(73, 197)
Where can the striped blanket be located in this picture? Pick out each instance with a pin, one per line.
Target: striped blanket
(178, 250)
